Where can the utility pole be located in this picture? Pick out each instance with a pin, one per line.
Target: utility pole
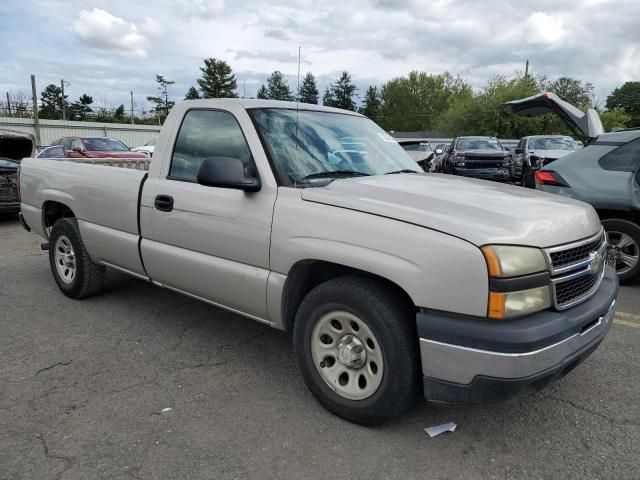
(8, 105)
(526, 69)
(132, 119)
(298, 94)
(36, 122)
(64, 112)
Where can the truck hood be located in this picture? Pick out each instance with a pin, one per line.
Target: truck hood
(551, 153)
(483, 153)
(478, 211)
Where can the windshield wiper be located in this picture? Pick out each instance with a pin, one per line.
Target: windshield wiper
(335, 174)
(404, 170)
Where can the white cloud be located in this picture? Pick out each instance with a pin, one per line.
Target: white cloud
(542, 28)
(199, 9)
(100, 30)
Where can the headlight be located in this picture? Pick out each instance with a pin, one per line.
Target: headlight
(505, 261)
(509, 261)
(515, 304)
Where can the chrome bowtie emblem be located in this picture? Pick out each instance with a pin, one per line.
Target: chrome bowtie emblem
(596, 261)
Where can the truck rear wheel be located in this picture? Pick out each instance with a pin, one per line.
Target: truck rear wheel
(357, 347)
(74, 272)
(624, 247)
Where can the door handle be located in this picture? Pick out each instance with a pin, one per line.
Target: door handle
(164, 203)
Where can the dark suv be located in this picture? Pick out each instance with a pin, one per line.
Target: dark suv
(479, 157)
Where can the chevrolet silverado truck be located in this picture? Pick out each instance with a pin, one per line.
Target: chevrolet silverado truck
(479, 157)
(395, 284)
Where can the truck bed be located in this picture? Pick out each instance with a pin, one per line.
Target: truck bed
(103, 195)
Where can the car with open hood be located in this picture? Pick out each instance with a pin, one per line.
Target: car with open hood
(605, 173)
(13, 147)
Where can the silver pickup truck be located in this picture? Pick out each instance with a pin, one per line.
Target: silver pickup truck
(395, 284)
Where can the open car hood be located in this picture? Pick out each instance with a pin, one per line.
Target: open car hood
(586, 125)
(16, 145)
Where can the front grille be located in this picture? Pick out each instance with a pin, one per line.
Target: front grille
(572, 290)
(571, 256)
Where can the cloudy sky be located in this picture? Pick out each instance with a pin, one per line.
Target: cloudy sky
(108, 47)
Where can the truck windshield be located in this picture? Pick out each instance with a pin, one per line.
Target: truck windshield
(478, 144)
(310, 146)
(104, 145)
(553, 143)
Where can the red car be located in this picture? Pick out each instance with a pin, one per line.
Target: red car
(96, 147)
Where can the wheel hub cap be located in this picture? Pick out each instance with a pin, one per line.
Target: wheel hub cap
(351, 352)
(65, 259)
(347, 355)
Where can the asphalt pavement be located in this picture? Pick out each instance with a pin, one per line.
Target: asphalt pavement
(143, 383)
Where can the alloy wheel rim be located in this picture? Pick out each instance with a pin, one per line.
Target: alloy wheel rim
(347, 355)
(623, 252)
(65, 259)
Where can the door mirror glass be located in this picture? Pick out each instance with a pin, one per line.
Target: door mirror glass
(226, 172)
(439, 151)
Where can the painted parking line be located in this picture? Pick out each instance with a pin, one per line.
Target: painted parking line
(627, 319)
(632, 316)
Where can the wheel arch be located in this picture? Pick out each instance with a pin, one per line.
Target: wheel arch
(52, 211)
(307, 274)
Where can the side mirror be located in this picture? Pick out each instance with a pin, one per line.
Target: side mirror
(76, 149)
(439, 151)
(519, 151)
(226, 172)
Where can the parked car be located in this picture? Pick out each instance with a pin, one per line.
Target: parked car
(96, 147)
(56, 151)
(419, 149)
(393, 282)
(13, 147)
(440, 153)
(605, 173)
(536, 151)
(148, 147)
(479, 157)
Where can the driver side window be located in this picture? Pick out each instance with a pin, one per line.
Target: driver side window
(204, 134)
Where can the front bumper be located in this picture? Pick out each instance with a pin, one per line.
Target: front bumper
(9, 207)
(475, 360)
(497, 174)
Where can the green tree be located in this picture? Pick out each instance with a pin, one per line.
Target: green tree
(573, 91)
(341, 94)
(308, 89)
(277, 88)
(614, 118)
(417, 101)
(484, 113)
(81, 108)
(119, 114)
(51, 102)
(263, 93)
(161, 103)
(372, 103)
(217, 80)
(192, 94)
(627, 97)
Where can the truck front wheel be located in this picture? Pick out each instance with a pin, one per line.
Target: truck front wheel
(74, 272)
(357, 347)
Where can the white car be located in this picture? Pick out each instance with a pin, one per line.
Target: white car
(147, 147)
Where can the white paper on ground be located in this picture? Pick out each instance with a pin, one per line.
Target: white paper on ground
(438, 429)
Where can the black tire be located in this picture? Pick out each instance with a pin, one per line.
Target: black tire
(88, 278)
(391, 320)
(527, 179)
(631, 229)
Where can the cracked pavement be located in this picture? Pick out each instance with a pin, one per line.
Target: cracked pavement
(82, 385)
